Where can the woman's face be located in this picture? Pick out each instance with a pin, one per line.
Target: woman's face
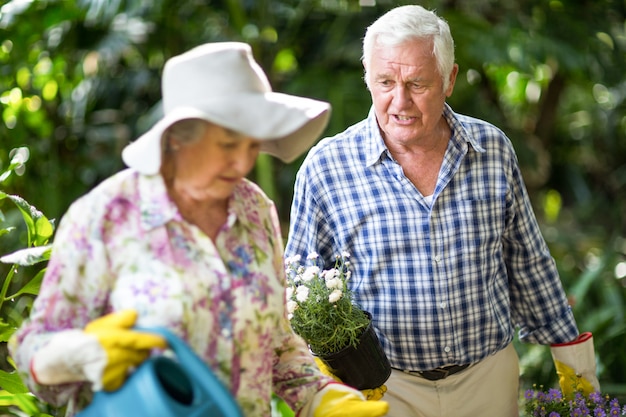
(210, 168)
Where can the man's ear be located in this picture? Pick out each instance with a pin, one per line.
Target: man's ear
(452, 80)
(367, 84)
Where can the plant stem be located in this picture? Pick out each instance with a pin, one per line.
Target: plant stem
(7, 282)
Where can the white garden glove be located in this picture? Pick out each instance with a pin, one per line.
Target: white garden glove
(339, 400)
(102, 353)
(575, 364)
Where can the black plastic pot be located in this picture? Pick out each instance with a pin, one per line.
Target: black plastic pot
(363, 367)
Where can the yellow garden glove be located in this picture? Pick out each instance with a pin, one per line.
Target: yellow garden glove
(102, 353)
(373, 394)
(339, 400)
(575, 365)
(124, 348)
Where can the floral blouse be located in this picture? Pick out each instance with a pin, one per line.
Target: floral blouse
(125, 245)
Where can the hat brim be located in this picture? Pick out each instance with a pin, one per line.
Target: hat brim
(286, 125)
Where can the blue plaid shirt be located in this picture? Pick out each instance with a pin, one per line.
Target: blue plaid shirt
(447, 282)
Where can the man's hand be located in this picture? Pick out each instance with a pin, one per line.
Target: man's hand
(373, 394)
(575, 364)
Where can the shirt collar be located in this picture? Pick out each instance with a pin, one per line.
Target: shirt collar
(375, 145)
(459, 134)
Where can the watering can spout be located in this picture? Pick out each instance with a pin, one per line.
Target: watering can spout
(167, 387)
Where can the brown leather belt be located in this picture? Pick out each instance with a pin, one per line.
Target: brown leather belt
(438, 373)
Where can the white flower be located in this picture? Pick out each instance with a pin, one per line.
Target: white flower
(289, 293)
(330, 274)
(295, 259)
(312, 256)
(334, 283)
(302, 293)
(345, 255)
(291, 306)
(310, 273)
(335, 296)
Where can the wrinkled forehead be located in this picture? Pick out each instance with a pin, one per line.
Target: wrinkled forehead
(406, 58)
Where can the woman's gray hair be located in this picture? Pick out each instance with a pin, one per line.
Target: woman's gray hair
(407, 23)
(185, 131)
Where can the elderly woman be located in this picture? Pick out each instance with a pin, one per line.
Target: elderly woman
(183, 240)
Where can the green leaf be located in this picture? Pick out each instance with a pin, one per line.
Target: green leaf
(28, 256)
(6, 231)
(12, 382)
(44, 230)
(40, 229)
(33, 286)
(280, 407)
(6, 331)
(25, 401)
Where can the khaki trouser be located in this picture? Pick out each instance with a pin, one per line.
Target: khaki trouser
(488, 388)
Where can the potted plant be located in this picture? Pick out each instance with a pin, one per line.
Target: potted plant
(322, 311)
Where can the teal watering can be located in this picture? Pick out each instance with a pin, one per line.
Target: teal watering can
(167, 387)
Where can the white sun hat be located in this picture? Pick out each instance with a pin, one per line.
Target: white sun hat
(222, 83)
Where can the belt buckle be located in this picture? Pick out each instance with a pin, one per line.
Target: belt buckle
(435, 374)
(442, 373)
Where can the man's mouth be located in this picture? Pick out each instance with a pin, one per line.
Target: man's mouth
(402, 118)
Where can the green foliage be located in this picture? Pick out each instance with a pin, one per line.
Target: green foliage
(280, 408)
(39, 230)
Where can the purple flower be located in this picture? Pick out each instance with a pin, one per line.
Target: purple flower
(596, 397)
(551, 403)
(554, 394)
(599, 412)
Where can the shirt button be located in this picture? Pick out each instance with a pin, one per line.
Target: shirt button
(437, 258)
(443, 304)
(446, 349)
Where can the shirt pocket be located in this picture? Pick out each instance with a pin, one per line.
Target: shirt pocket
(481, 229)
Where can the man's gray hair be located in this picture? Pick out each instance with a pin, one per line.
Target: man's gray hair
(407, 23)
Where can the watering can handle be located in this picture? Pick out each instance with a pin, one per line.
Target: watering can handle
(189, 360)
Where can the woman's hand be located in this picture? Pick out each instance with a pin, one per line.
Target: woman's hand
(102, 353)
(338, 400)
(124, 348)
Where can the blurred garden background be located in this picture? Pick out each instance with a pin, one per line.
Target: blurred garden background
(80, 79)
